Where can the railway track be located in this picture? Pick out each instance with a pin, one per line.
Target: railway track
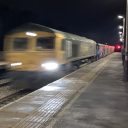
(12, 97)
(8, 95)
(4, 81)
(6, 91)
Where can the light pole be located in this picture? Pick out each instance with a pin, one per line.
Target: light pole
(122, 37)
(126, 45)
(121, 34)
(122, 17)
(122, 27)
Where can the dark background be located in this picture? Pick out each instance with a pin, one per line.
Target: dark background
(95, 19)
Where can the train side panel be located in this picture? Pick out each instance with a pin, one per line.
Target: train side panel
(73, 50)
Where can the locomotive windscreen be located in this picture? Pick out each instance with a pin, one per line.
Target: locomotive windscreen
(45, 43)
(20, 43)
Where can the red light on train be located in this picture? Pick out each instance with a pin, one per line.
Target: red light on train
(118, 46)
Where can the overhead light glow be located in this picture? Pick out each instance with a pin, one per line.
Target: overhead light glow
(31, 34)
(118, 47)
(120, 17)
(120, 32)
(121, 40)
(120, 36)
(50, 65)
(16, 64)
(120, 27)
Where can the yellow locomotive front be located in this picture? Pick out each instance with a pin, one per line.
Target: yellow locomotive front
(26, 53)
(32, 55)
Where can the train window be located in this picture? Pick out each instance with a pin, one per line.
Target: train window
(63, 45)
(45, 43)
(20, 43)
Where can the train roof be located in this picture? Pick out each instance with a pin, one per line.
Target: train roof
(37, 27)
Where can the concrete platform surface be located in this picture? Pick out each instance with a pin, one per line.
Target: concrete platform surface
(92, 97)
(103, 104)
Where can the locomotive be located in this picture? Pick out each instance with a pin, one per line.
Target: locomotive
(35, 51)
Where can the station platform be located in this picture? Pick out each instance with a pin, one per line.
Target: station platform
(95, 96)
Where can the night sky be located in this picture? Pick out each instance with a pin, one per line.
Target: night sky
(95, 19)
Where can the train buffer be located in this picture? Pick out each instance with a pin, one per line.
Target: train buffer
(95, 96)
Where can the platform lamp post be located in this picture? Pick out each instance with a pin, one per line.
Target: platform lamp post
(126, 45)
(122, 27)
(122, 38)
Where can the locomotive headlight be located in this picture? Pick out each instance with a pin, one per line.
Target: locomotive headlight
(50, 65)
(16, 64)
(31, 34)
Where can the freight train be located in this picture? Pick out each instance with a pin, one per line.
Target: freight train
(35, 51)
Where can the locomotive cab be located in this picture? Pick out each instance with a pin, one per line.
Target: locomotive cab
(26, 52)
(31, 57)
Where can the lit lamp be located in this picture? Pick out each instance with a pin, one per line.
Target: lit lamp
(120, 33)
(121, 39)
(120, 17)
(120, 27)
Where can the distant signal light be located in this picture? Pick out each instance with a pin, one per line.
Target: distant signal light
(117, 48)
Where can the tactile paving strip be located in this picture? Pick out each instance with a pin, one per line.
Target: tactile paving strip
(43, 113)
